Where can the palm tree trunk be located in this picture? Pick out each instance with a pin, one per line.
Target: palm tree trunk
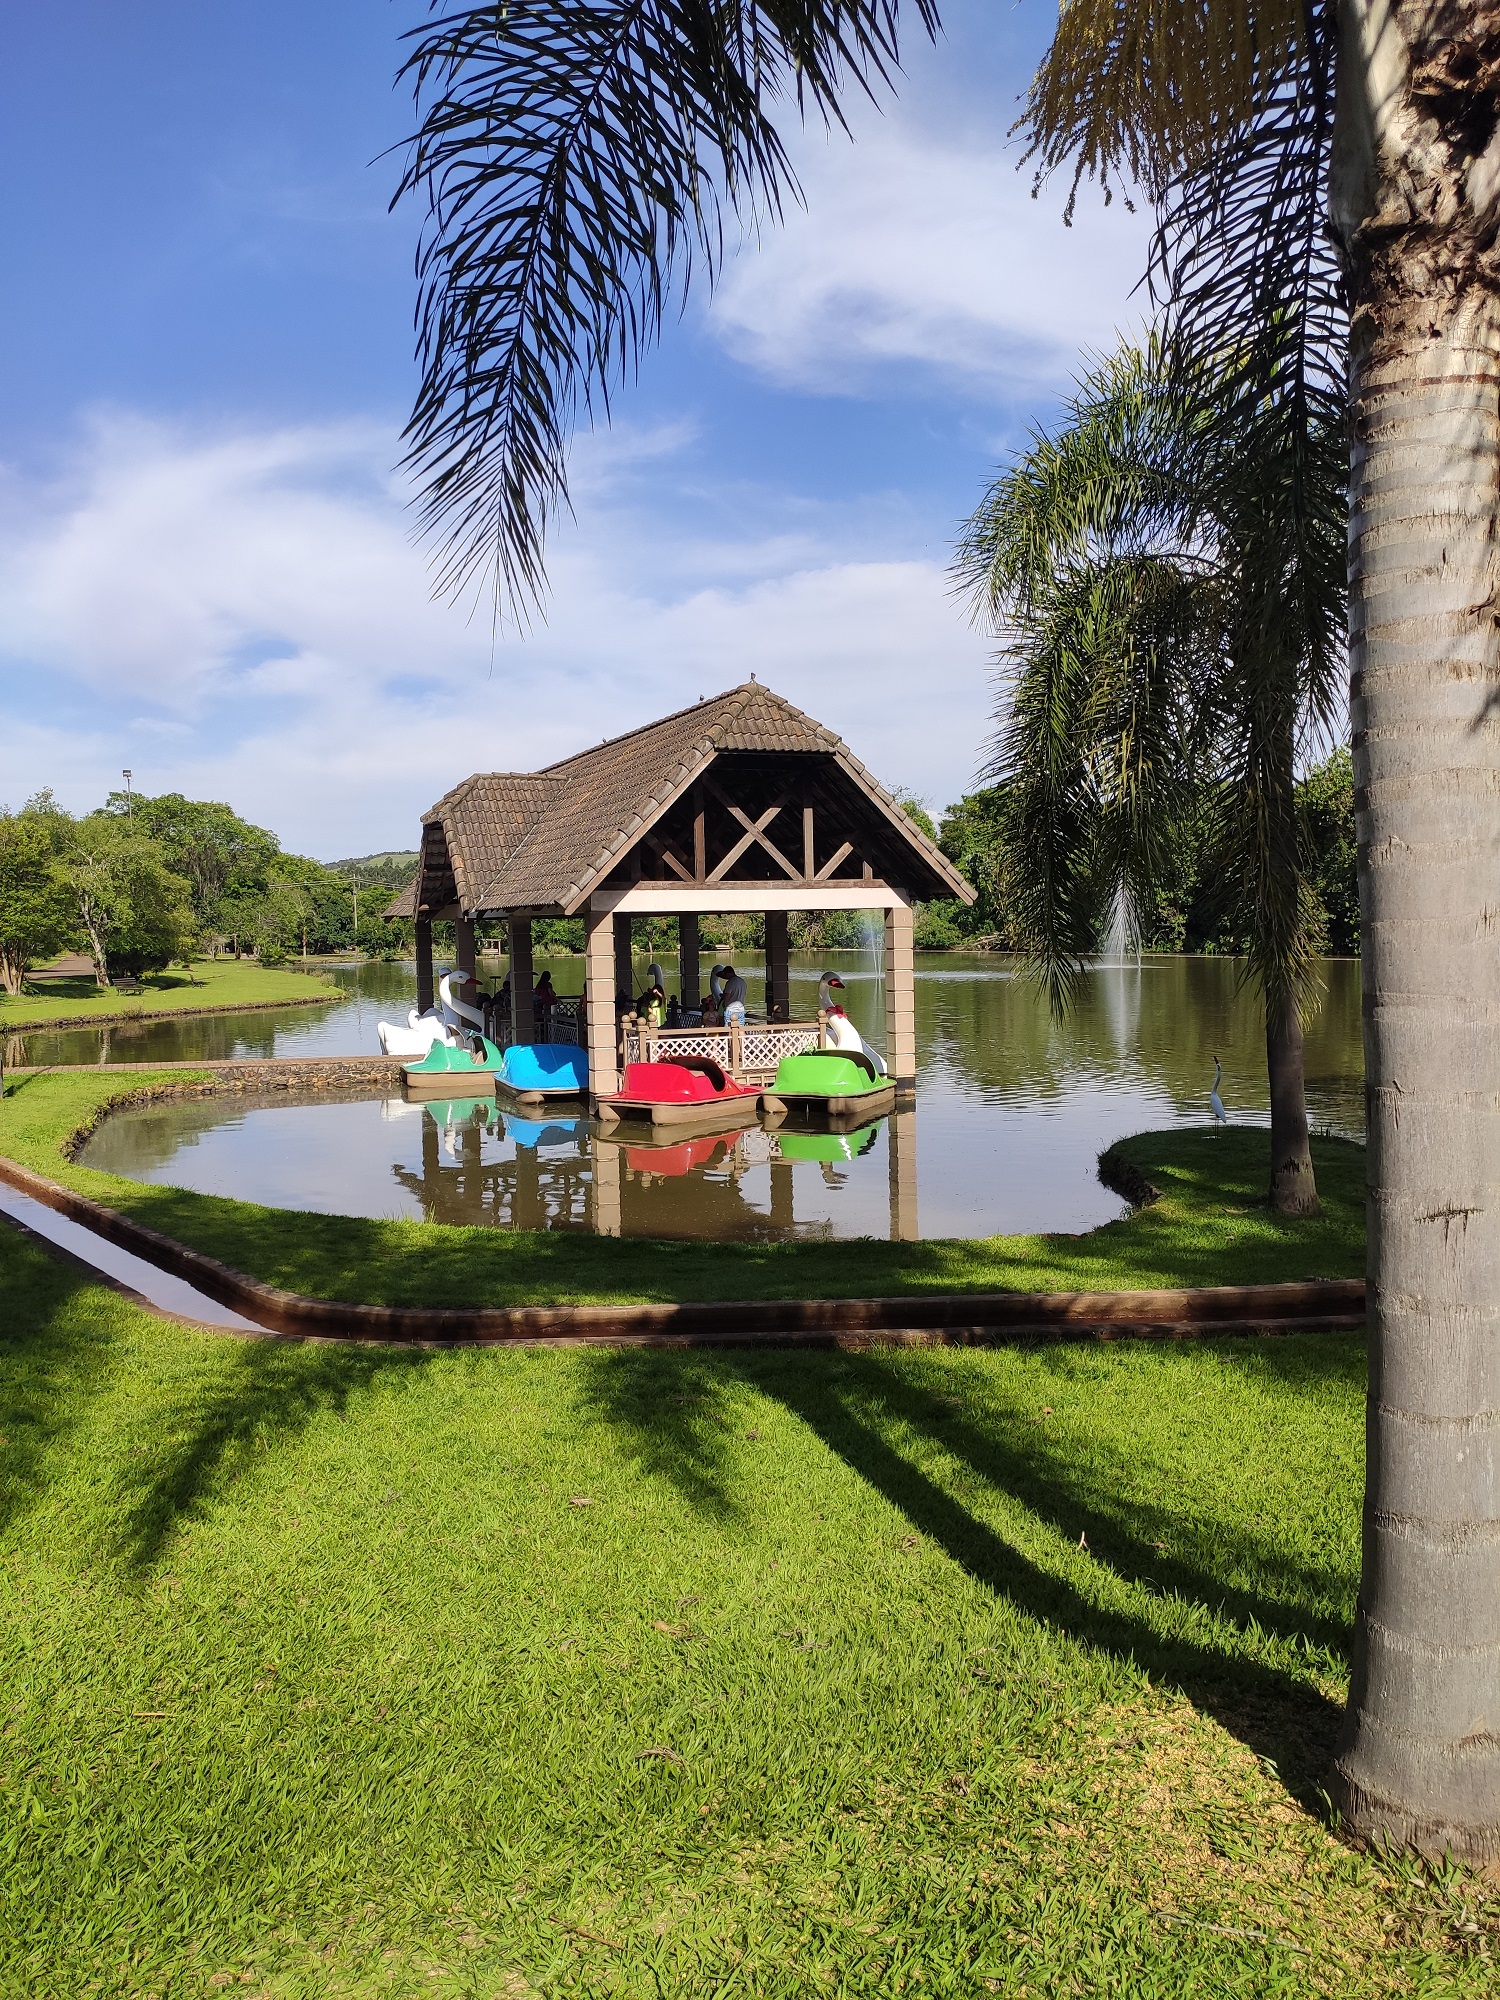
(1294, 1191)
(1420, 1761)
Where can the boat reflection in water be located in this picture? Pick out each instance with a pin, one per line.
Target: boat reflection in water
(482, 1166)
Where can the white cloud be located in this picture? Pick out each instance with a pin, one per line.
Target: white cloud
(244, 616)
(924, 246)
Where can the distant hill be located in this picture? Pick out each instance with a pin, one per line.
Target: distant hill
(379, 871)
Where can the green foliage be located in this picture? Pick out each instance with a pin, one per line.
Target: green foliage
(576, 159)
(1326, 803)
(220, 854)
(390, 871)
(915, 809)
(37, 915)
(1172, 593)
(135, 913)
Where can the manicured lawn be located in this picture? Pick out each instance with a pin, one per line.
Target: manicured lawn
(1211, 1227)
(224, 982)
(333, 1672)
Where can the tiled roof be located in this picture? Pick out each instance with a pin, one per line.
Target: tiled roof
(530, 840)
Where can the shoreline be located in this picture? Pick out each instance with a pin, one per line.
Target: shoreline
(32, 1027)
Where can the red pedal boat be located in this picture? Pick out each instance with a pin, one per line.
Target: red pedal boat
(692, 1090)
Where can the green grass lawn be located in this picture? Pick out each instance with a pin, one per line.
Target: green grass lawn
(1211, 1227)
(574, 1673)
(223, 982)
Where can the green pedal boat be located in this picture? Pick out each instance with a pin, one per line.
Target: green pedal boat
(829, 1083)
(449, 1071)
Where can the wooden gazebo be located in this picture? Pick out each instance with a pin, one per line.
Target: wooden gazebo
(738, 804)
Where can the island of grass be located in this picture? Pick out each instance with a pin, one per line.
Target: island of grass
(354, 1671)
(209, 985)
(1208, 1225)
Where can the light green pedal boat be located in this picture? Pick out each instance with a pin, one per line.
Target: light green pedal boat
(446, 1071)
(828, 1083)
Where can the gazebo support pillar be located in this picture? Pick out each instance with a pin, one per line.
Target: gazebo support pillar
(689, 988)
(607, 1165)
(624, 959)
(424, 964)
(900, 1000)
(901, 1159)
(521, 982)
(778, 967)
(463, 944)
(601, 1030)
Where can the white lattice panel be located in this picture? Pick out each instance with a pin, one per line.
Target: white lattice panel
(766, 1048)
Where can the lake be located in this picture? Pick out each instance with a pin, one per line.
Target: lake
(1013, 1109)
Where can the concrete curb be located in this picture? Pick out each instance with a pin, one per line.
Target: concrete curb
(938, 1318)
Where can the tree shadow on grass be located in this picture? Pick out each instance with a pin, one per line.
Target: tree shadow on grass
(244, 1399)
(847, 1399)
(1226, 1566)
(53, 1364)
(674, 1413)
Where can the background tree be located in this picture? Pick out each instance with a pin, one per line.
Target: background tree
(135, 913)
(219, 854)
(1171, 640)
(37, 917)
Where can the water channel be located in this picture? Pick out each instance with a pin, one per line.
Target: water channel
(1013, 1109)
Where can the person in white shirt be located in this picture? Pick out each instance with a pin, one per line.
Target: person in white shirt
(734, 997)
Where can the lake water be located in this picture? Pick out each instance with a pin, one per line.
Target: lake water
(1013, 1109)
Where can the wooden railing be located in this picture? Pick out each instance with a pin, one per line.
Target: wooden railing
(561, 1023)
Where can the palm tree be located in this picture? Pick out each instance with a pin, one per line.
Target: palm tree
(577, 156)
(1251, 123)
(1169, 643)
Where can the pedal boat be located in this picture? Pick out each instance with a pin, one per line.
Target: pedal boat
(467, 1070)
(829, 1083)
(828, 1148)
(692, 1091)
(537, 1072)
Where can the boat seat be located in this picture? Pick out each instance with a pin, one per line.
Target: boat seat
(855, 1056)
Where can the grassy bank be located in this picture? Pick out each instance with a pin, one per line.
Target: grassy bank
(1210, 1227)
(339, 1673)
(223, 982)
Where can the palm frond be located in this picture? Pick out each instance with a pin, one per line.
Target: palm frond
(1108, 481)
(577, 157)
(1096, 748)
(1139, 88)
(1246, 273)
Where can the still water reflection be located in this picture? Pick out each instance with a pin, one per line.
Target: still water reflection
(1013, 1110)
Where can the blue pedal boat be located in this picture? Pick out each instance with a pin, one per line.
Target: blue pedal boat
(533, 1072)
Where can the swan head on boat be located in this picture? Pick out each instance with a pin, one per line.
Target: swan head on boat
(828, 985)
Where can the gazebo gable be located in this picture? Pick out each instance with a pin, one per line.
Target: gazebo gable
(778, 818)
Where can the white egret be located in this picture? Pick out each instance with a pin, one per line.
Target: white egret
(1215, 1102)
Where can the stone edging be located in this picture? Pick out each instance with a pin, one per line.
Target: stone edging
(948, 1318)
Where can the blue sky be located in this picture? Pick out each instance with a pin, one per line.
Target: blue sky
(207, 570)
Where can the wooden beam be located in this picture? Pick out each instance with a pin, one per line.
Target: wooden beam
(755, 832)
(667, 854)
(700, 838)
(751, 898)
(809, 846)
(834, 860)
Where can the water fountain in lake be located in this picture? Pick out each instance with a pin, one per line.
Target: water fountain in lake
(1120, 992)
